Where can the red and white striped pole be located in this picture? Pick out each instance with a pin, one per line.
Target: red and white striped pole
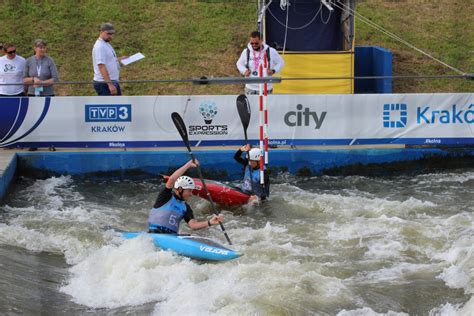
(265, 109)
(260, 96)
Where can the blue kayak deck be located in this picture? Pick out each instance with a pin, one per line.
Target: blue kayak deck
(194, 247)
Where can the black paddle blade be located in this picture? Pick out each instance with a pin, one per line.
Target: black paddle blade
(243, 107)
(181, 127)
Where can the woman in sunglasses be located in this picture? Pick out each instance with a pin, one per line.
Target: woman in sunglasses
(40, 72)
(11, 72)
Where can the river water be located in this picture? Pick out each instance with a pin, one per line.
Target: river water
(321, 245)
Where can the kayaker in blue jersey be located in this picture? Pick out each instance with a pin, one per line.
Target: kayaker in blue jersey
(170, 206)
(251, 182)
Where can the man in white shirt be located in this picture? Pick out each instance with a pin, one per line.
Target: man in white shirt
(11, 71)
(251, 58)
(105, 62)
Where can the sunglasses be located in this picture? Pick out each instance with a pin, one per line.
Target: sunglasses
(110, 33)
(253, 44)
(11, 52)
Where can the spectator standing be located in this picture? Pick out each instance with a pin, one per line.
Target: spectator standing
(251, 58)
(40, 71)
(11, 71)
(105, 62)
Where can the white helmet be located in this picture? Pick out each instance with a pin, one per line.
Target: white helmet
(255, 154)
(185, 182)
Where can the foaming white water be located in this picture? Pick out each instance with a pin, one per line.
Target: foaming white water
(135, 273)
(74, 249)
(460, 273)
(366, 311)
(447, 242)
(361, 227)
(270, 242)
(348, 206)
(126, 275)
(54, 191)
(398, 273)
(28, 239)
(54, 224)
(385, 249)
(309, 251)
(444, 177)
(49, 186)
(455, 309)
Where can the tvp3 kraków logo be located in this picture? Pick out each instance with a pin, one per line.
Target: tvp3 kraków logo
(107, 117)
(395, 115)
(20, 117)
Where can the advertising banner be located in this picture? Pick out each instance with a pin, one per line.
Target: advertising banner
(145, 121)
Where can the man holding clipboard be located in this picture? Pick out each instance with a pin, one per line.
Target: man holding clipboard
(106, 63)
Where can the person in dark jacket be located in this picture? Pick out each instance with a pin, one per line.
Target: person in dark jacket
(251, 181)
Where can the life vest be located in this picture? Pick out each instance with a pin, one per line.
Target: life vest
(249, 178)
(169, 215)
(267, 53)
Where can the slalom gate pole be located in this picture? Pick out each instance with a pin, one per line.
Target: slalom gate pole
(260, 96)
(265, 108)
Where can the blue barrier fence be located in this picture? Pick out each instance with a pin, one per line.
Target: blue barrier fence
(372, 61)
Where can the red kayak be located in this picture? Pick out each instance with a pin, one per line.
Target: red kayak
(221, 193)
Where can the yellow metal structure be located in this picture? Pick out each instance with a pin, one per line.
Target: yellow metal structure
(317, 64)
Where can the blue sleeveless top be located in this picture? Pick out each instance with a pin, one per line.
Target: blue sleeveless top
(169, 215)
(250, 178)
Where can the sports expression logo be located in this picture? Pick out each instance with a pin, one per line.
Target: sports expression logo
(208, 110)
(395, 115)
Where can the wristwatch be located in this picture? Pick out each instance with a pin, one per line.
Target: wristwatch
(208, 223)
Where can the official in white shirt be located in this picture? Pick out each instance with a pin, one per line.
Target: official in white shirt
(251, 58)
(106, 63)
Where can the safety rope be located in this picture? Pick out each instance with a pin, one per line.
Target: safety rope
(286, 28)
(295, 28)
(322, 18)
(343, 6)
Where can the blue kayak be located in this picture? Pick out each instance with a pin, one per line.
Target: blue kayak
(194, 247)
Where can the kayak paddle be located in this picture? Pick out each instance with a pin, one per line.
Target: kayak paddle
(181, 127)
(243, 107)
